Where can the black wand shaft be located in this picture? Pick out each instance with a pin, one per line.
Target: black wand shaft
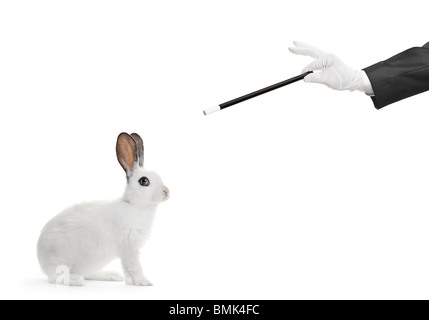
(263, 91)
(256, 93)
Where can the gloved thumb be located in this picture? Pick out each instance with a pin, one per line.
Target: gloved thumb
(315, 65)
(313, 78)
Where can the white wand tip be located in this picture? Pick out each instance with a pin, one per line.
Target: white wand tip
(211, 110)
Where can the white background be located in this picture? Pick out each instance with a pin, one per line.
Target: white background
(304, 193)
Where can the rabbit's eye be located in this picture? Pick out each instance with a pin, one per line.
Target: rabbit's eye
(144, 182)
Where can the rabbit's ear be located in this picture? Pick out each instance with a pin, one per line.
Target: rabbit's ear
(140, 148)
(126, 151)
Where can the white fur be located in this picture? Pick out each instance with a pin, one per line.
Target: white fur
(88, 236)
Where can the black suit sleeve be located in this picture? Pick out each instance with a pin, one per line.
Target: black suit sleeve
(400, 77)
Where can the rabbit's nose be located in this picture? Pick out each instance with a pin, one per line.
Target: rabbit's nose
(166, 191)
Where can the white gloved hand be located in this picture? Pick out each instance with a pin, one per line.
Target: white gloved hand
(334, 73)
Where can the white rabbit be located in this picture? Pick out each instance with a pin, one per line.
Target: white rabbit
(78, 243)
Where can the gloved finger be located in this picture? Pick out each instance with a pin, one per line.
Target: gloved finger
(300, 44)
(305, 52)
(314, 78)
(315, 65)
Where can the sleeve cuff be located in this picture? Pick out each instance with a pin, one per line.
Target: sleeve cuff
(368, 87)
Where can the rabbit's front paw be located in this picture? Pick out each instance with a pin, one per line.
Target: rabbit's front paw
(138, 282)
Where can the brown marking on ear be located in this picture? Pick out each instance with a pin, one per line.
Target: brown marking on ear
(140, 148)
(126, 151)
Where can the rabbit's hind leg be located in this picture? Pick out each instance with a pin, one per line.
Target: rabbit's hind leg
(106, 276)
(70, 280)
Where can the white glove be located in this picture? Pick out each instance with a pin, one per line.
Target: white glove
(334, 73)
